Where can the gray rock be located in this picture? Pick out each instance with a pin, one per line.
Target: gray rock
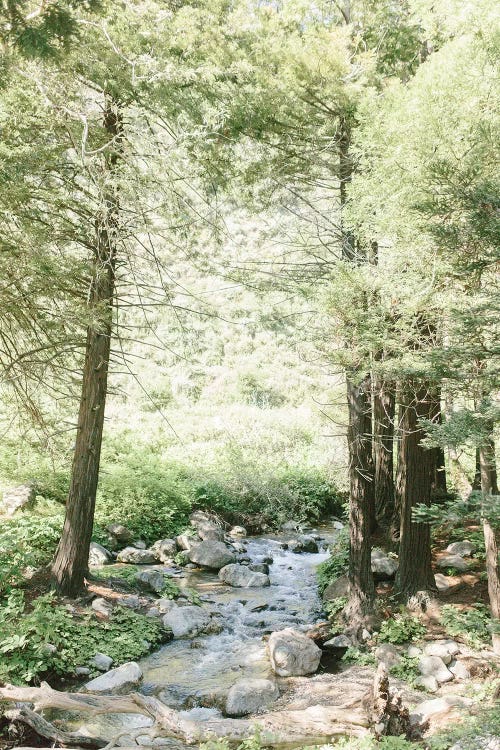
(153, 612)
(249, 696)
(464, 549)
(260, 568)
(459, 669)
(238, 531)
(433, 666)
(131, 601)
(165, 605)
(151, 580)
(335, 589)
(82, 671)
(102, 606)
(438, 706)
(116, 681)
(206, 526)
(242, 577)
(186, 621)
(139, 544)
(165, 549)
(186, 541)
(293, 653)
(388, 654)
(19, 497)
(383, 566)
(304, 543)
(337, 525)
(99, 555)
(413, 652)
(453, 561)
(445, 649)
(102, 662)
(211, 554)
(134, 556)
(445, 585)
(428, 683)
(120, 533)
(340, 641)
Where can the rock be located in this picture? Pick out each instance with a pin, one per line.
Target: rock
(383, 566)
(186, 621)
(268, 560)
(102, 606)
(117, 681)
(249, 696)
(134, 556)
(165, 549)
(337, 525)
(486, 742)
(242, 577)
(445, 649)
(19, 497)
(413, 652)
(429, 683)
(99, 555)
(120, 533)
(463, 549)
(453, 561)
(82, 671)
(131, 601)
(260, 568)
(459, 669)
(238, 547)
(433, 666)
(151, 580)
(153, 612)
(340, 641)
(139, 544)
(186, 541)
(238, 531)
(336, 588)
(446, 585)
(388, 654)
(206, 526)
(290, 526)
(438, 706)
(102, 662)
(293, 653)
(165, 605)
(211, 554)
(303, 544)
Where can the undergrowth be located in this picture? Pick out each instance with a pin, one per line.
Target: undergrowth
(473, 625)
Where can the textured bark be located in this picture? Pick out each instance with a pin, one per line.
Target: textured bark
(70, 565)
(414, 577)
(489, 487)
(384, 407)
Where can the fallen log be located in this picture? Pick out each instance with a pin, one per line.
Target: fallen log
(48, 731)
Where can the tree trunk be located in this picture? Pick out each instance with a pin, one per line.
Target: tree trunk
(70, 565)
(384, 407)
(489, 487)
(439, 485)
(415, 471)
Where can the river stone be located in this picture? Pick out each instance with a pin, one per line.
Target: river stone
(337, 525)
(151, 580)
(242, 577)
(186, 621)
(165, 549)
(165, 605)
(120, 533)
(129, 600)
(464, 549)
(19, 497)
(211, 554)
(340, 641)
(388, 654)
(186, 541)
(429, 683)
(459, 669)
(238, 531)
(383, 566)
(433, 666)
(135, 556)
(102, 661)
(260, 568)
(117, 681)
(453, 561)
(249, 696)
(438, 706)
(102, 606)
(304, 543)
(336, 588)
(99, 555)
(293, 653)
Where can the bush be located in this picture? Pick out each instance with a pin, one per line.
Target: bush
(337, 564)
(406, 669)
(400, 629)
(27, 636)
(474, 625)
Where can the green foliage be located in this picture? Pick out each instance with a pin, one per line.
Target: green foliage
(338, 562)
(28, 635)
(466, 733)
(400, 629)
(335, 606)
(355, 655)
(473, 625)
(406, 669)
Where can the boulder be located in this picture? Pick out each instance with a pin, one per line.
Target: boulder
(120, 533)
(304, 543)
(388, 654)
(19, 497)
(464, 549)
(117, 681)
(260, 568)
(459, 670)
(130, 600)
(293, 653)
(433, 666)
(445, 649)
(249, 696)
(336, 588)
(102, 662)
(165, 549)
(206, 526)
(414, 651)
(438, 707)
(383, 566)
(242, 577)
(428, 683)
(186, 621)
(238, 531)
(337, 525)
(151, 580)
(134, 556)
(99, 555)
(453, 561)
(211, 554)
(186, 541)
(102, 606)
(339, 642)
(446, 584)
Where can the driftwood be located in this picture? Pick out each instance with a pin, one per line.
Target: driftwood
(389, 715)
(48, 731)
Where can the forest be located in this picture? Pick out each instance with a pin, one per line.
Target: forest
(249, 374)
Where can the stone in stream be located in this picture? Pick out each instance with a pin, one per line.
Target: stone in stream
(242, 577)
(249, 696)
(99, 555)
(211, 554)
(292, 653)
(238, 531)
(151, 580)
(260, 568)
(165, 549)
(186, 621)
(303, 544)
(117, 681)
(134, 556)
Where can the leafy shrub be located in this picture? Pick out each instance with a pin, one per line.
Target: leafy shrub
(338, 562)
(401, 628)
(26, 637)
(406, 669)
(357, 656)
(474, 625)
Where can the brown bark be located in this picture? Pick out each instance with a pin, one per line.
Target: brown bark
(70, 564)
(489, 487)
(414, 577)
(384, 407)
